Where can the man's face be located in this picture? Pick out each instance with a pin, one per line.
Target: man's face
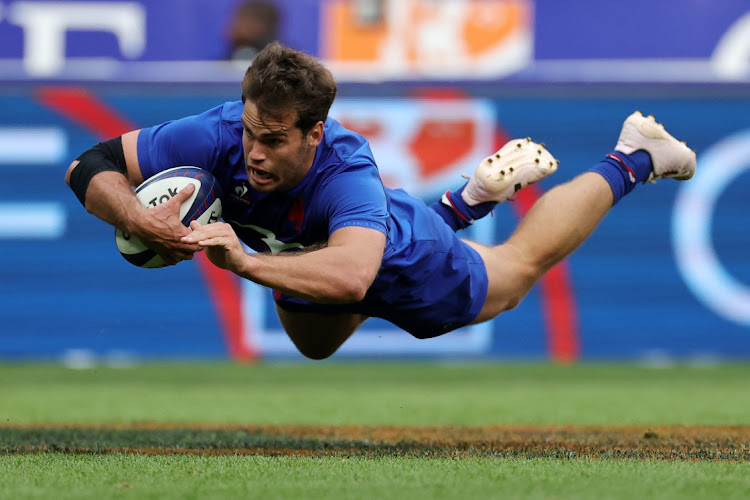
(277, 153)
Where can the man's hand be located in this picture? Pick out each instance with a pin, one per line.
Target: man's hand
(220, 242)
(160, 229)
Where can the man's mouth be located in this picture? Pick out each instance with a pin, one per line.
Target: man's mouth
(260, 176)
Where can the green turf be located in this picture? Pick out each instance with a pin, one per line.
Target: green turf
(138, 476)
(371, 393)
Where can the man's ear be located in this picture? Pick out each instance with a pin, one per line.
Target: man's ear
(315, 135)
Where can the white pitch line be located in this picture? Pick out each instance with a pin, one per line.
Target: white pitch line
(32, 145)
(45, 220)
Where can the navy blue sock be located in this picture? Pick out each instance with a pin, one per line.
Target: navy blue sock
(623, 172)
(456, 213)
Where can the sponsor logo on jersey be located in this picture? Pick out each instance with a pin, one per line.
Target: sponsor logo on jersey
(242, 193)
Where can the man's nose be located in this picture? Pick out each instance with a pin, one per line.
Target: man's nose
(256, 153)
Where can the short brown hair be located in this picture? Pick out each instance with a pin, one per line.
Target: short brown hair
(280, 78)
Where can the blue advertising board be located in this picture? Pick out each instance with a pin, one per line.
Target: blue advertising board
(391, 40)
(666, 273)
(637, 29)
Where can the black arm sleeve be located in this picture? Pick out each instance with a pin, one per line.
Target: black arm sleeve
(104, 156)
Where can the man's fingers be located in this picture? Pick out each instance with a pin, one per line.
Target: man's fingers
(201, 232)
(192, 248)
(191, 238)
(183, 195)
(216, 241)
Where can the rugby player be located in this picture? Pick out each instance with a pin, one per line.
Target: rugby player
(335, 245)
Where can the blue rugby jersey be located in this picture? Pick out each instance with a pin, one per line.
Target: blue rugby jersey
(424, 264)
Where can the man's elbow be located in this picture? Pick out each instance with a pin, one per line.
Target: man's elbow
(355, 286)
(70, 171)
(354, 293)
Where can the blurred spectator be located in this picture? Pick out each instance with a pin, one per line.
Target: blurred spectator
(254, 26)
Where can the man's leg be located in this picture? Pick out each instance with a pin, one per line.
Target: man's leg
(497, 178)
(566, 215)
(318, 335)
(557, 223)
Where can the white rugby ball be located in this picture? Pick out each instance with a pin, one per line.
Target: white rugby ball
(204, 206)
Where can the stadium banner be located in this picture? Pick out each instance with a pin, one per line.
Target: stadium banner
(666, 275)
(384, 40)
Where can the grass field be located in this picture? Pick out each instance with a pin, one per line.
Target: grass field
(371, 430)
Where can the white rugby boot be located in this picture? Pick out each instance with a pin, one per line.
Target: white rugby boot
(670, 158)
(499, 177)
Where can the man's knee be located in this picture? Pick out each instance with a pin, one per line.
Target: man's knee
(316, 344)
(317, 336)
(512, 302)
(317, 352)
(525, 278)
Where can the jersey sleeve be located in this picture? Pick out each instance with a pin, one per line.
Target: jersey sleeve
(356, 198)
(192, 141)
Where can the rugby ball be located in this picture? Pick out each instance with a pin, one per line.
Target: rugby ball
(204, 206)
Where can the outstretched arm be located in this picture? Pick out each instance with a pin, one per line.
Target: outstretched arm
(104, 185)
(341, 272)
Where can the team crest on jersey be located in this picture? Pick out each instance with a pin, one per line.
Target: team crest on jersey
(242, 192)
(296, 214)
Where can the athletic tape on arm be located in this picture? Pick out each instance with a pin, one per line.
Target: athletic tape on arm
(104, 156)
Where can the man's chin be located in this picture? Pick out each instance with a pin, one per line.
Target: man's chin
(264, 187)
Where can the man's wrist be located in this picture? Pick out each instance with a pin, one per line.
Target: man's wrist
(136, 220)
(248, 267)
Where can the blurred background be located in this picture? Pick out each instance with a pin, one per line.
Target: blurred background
(435, 85)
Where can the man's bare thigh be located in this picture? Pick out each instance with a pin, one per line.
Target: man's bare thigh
(509, 279)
